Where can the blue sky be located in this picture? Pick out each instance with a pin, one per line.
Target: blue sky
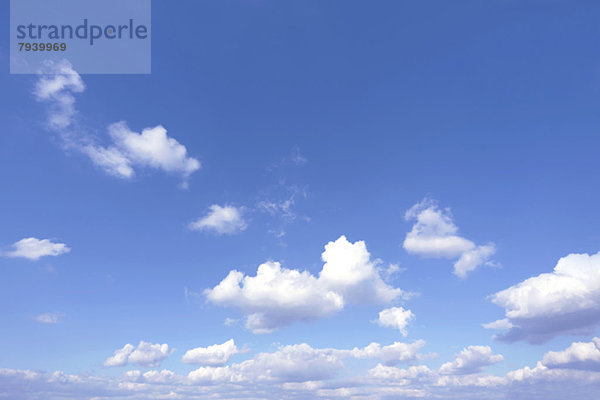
(302, 122)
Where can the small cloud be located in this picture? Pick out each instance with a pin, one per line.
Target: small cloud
(471, 360)
(146, 354)
(395, 317)
(49, 318)
(33, 249)
(221, 220)
(215, 355)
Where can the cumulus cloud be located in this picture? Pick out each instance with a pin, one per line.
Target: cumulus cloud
(145, 354)
(395, 317)
(221, 220)
(565, 301)
(151, 148)
(303, 363)
(126, 150)
(279, 296)
(33, 248)
(471, 360)
(215, 355)
(434, 235)
(49, 318)
(579, 355)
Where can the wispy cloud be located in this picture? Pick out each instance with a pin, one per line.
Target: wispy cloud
(49, 318)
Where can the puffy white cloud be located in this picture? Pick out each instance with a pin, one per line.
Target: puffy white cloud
(579, 355)
(221, 220)
(127, 150)
(49, 318)
(151, 148)
(565, 301)
(278, 296)
(215, 355)
(395, 317)
(471, 360)
(120, 356)
(33, 248)
(145, 354)
(434, 235)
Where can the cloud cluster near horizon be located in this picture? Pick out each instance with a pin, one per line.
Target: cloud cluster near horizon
(303, 371)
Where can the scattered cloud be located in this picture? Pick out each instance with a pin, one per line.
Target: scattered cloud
(215, 355)
(145, 354)
(126, 150)
(278, 296)
(222, 220)
(563, 302)
(49, 318)
(33, 249)
(395, 317)
(471, 360)
(434, 235)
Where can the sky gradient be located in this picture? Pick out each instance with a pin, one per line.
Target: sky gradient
(309, 199)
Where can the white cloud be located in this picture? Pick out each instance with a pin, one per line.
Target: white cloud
(579, 355)
(49, 318)
(565, 301)
(471, 360)
(392, 354)
(292, 363)
(435, 235)
(278, 296)
(146, 354)
(397, 374)
(395, 317)
(57, 90)
(33, 248)
(221, 220)
(127, 150)
(303, 363)
(215, 355)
